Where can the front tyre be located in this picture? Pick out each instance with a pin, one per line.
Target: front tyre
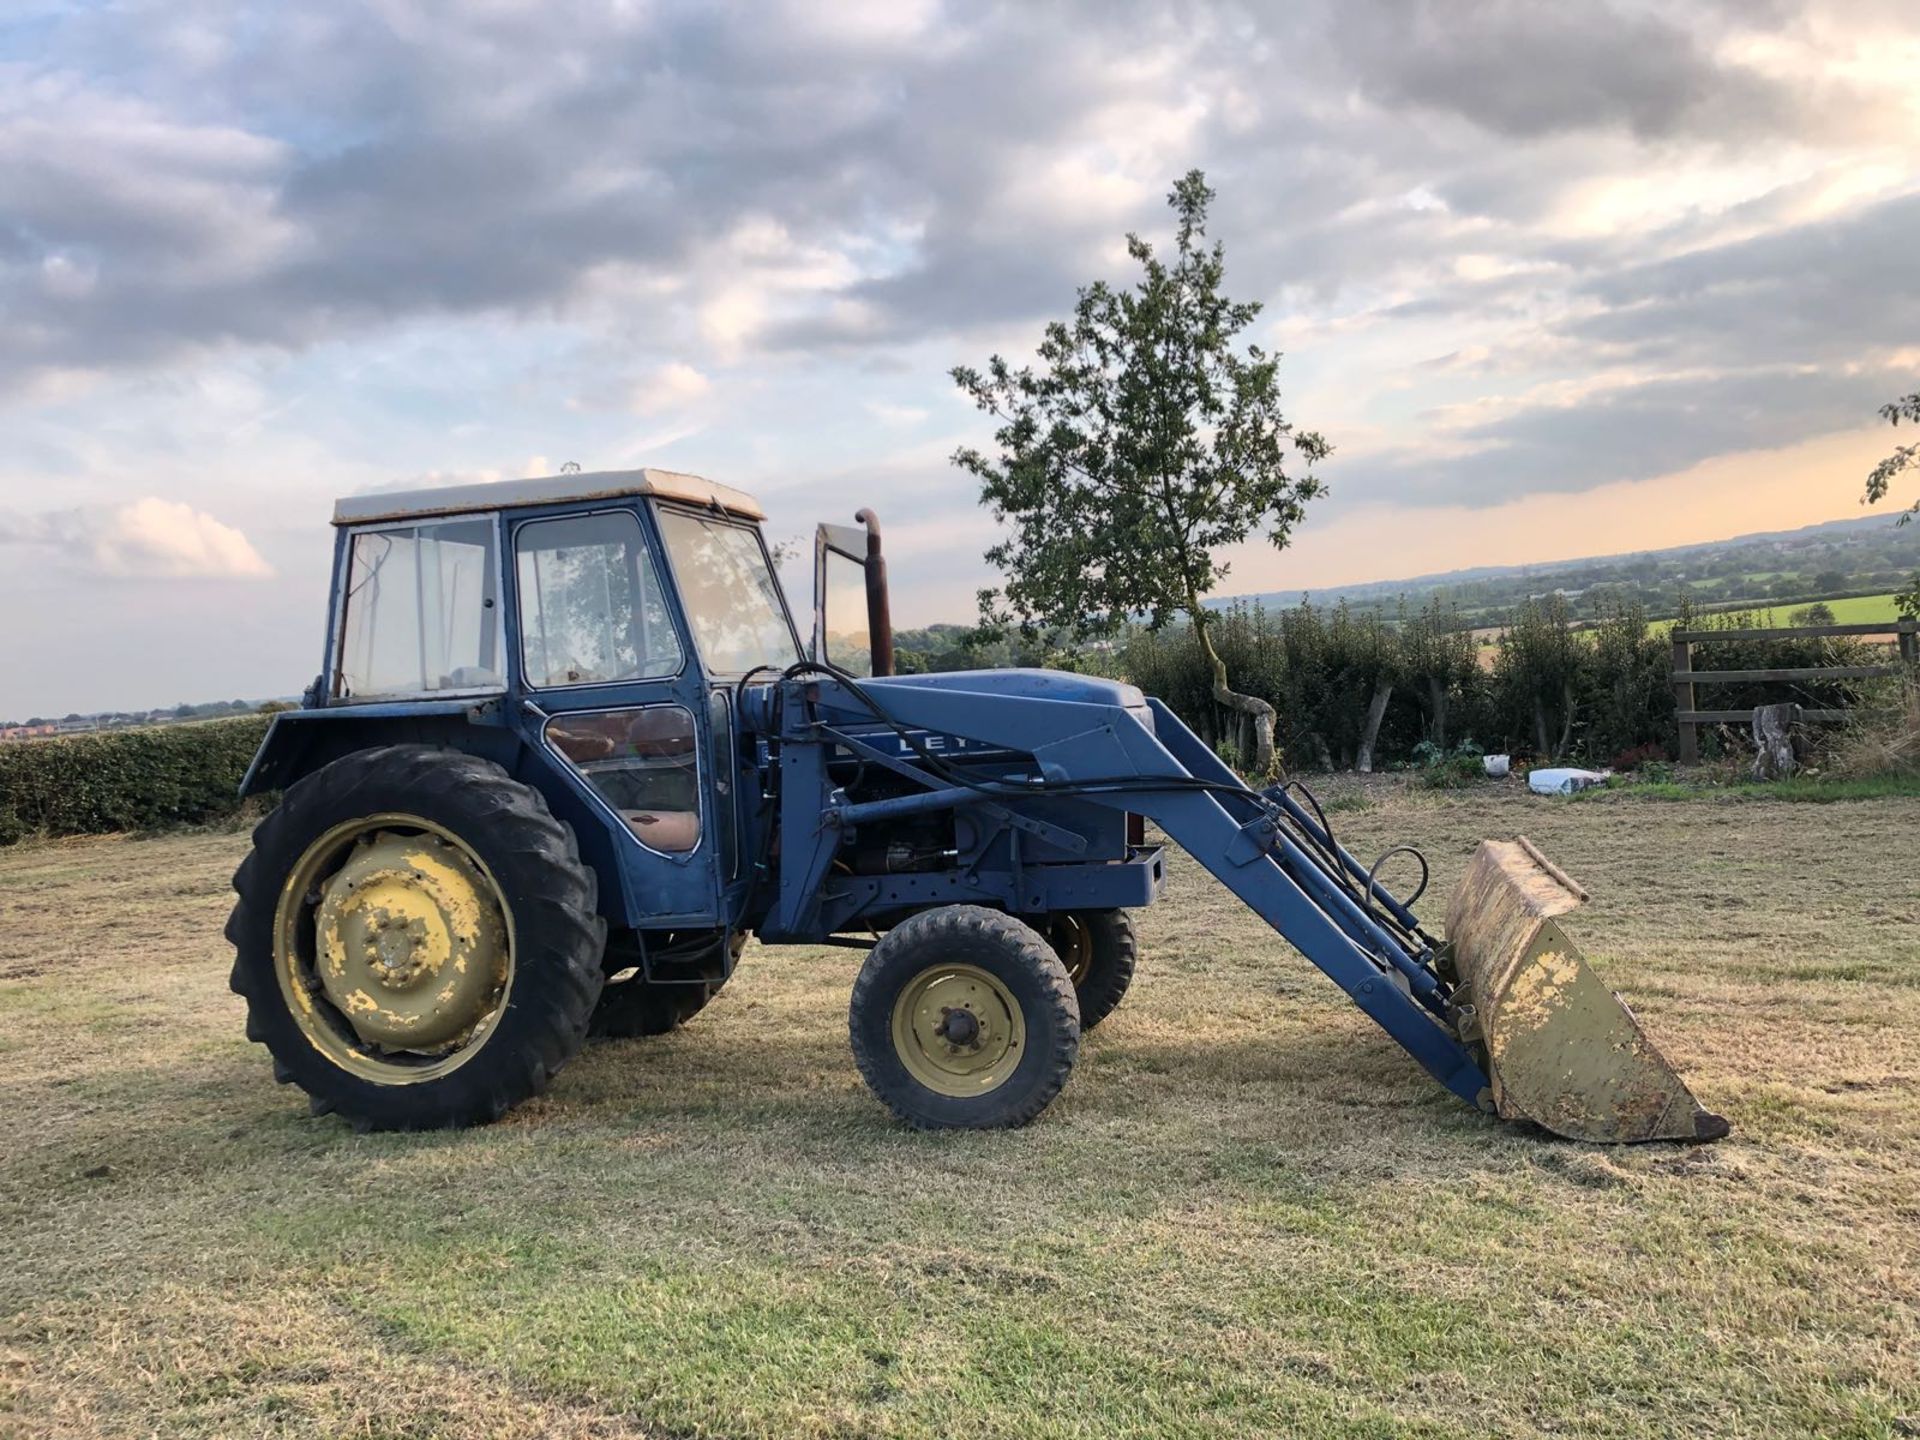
(1099, 949)
(964, 1018)
(416, 939)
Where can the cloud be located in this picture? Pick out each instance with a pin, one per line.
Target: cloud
(1525, 71)
(253, 256)
(1835, 289)
(1755, 343)
(673, 386)
(753, 178)
(150, 538)
(1627, 432)
(700, 170)
(896, 415)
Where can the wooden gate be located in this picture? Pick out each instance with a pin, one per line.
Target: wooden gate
(1685, 677)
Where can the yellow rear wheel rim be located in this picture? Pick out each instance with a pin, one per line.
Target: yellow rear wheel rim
(958, 1030)
(393, 948)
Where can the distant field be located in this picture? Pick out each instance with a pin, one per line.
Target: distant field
(1855, 610)
(1248, 1215)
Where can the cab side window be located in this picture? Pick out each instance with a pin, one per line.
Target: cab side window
(417, 612)
(591, 608)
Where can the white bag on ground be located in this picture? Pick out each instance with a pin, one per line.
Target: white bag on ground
(1563, 782)
(1496, 765)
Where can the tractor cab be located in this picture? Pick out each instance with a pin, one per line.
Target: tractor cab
(603, 621)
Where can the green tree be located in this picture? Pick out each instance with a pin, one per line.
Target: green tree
(1441, 659)
(1144, 441)
(1624, 683)
(1537, 676)
(1880, 481)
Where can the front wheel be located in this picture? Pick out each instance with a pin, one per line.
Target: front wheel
(964, 1018)
(1099, 949)
(416, 939)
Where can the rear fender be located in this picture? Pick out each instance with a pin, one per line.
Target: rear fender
(300, 742)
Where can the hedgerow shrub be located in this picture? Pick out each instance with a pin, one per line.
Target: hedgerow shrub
(1554, 692)
(126, 779)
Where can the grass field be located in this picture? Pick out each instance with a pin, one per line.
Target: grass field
(1853, 610)
(1248, 1214)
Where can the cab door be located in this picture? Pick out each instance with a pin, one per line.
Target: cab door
(611, 692)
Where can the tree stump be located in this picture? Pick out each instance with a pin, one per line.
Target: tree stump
(1376, 711)
(1773, 727)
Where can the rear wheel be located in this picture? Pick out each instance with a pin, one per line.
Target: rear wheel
(416, 939)
(964, 1018)
(1099, 949)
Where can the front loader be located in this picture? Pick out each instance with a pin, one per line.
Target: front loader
(567, 752)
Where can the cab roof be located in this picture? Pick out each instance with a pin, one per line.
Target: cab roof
(547, 490)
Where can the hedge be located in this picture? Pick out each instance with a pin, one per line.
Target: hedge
(1598, 693)
(126, 779)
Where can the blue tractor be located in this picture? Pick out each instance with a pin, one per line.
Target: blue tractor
(567, 751)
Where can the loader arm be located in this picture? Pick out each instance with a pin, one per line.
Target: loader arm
(1282, 864)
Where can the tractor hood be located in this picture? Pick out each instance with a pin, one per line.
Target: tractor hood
(1026, 684)
(954, 724)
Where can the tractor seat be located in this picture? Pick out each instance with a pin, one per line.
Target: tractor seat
(674, 831)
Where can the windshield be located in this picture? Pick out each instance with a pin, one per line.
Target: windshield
(731, 598)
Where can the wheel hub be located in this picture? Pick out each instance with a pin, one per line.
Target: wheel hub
(960, 1027)
(409, 943)
(958, 1030)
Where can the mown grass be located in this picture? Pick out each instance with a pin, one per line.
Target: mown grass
(1248, 1215)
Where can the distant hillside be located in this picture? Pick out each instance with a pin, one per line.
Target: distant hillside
(1868, 555)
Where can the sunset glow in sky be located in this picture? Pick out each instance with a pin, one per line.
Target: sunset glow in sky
(1556, 280)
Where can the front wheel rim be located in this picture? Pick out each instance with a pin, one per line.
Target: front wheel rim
(393, 947)
(1073, 941)
(958, 1030)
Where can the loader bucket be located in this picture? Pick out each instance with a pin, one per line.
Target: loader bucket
(1562, 1050)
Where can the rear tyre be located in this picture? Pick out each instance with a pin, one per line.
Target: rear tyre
(1099, 949)
(964, 1018)
(416, 939)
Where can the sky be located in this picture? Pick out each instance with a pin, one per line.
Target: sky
(1554, 280)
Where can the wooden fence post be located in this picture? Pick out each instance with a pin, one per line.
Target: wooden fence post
(1909, 642)
(1683, 702)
